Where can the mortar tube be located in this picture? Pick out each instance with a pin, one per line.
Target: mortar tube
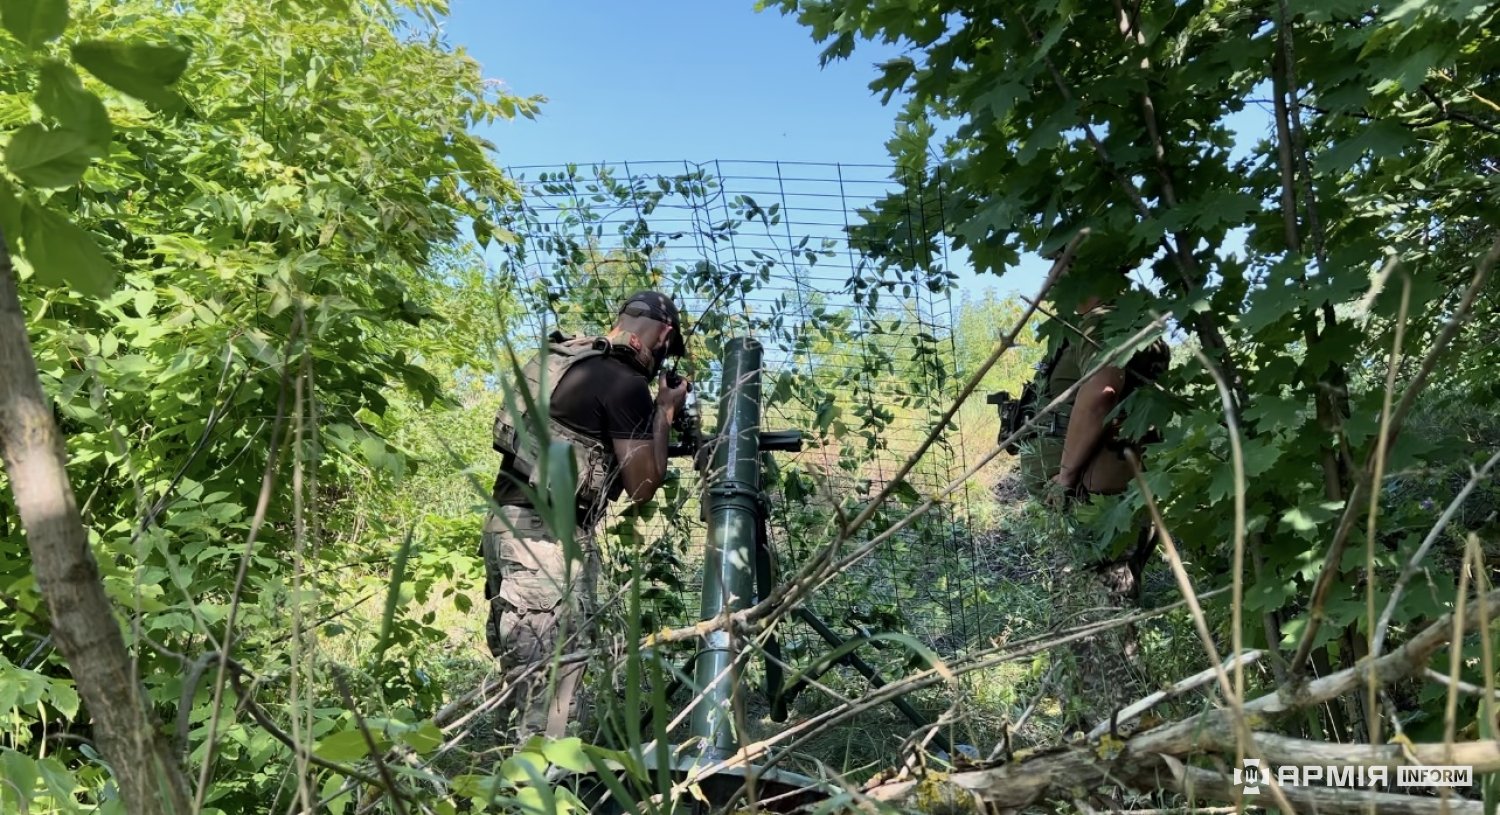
(733, 498)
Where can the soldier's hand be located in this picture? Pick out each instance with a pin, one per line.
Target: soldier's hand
(670, 397)
(1058, 494)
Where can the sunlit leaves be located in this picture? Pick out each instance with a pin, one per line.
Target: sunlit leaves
(567, 753)
(142, 70)
(337, 195)
(34, 22)
(56, 157)
(63, 253)
(62, 96)
(44, 157)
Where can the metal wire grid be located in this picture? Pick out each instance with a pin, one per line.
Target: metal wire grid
(639, 223)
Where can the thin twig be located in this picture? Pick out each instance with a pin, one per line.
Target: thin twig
(1178, 688)
(1462, 687)
(1455, 656)
(299, 544)
(1382, 452)
(1144, 760)
(388, 782)
(1364, 485)
(262, 506)
(1410, 570)
(1237, 458)
(799, 589)
(1245, 744)
(786, 594)
(262, 719)
(1284, 150)
(1059, 266)
(1036, 700)
(1486, 645)
(803, 732)
(1299, 141)
(185, 700)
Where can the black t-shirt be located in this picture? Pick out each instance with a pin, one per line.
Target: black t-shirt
(604, 397)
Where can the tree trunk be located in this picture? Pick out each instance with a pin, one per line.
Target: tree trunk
(147, 773)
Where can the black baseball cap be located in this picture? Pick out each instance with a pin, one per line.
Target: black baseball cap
(660, 308)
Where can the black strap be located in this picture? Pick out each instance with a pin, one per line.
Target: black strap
(1052, 362)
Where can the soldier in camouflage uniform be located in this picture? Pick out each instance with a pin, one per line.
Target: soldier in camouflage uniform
(1079, 452)
(541, 603)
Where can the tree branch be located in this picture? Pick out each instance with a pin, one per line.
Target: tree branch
(258, 713)
(1363, 487)
(83, 622)
(1152, 759)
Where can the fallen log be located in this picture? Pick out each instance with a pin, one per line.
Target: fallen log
(1156, 759)
(1070, 772)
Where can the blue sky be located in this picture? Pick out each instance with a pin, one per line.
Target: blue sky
(680, 79)
(687, 79)
(672, 79)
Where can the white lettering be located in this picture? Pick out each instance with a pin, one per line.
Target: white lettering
(1435, 776)
(1356, 777)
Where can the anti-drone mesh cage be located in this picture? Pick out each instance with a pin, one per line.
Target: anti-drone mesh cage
(832, 267)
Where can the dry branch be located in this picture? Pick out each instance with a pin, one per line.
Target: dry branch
(1461, 686)
(1364, 485)
(1178, 688)
(1153, 759)
(247, 699)
(1059, 266)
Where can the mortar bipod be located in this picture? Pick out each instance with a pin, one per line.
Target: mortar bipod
(846, 651)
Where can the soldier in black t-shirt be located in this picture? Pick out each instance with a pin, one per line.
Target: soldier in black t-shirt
(604, 398)
(600, 404)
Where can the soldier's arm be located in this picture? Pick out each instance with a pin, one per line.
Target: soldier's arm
(1096, 397)
(643, 462)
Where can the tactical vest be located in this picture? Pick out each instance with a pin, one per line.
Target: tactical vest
(594, 460)
(1042, 457)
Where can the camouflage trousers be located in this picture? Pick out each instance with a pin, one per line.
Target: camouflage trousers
(540, 606)
(1104, 671)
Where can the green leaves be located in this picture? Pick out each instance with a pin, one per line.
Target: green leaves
(47, 158)
(201, 225)
(348, 745)
(143, 70)
(64, 254)
(568, 754)
(10, 216)
(34, 22)
(19, 774)
(62, 96)
(423, 738)
(57, 157)
(392, 597)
